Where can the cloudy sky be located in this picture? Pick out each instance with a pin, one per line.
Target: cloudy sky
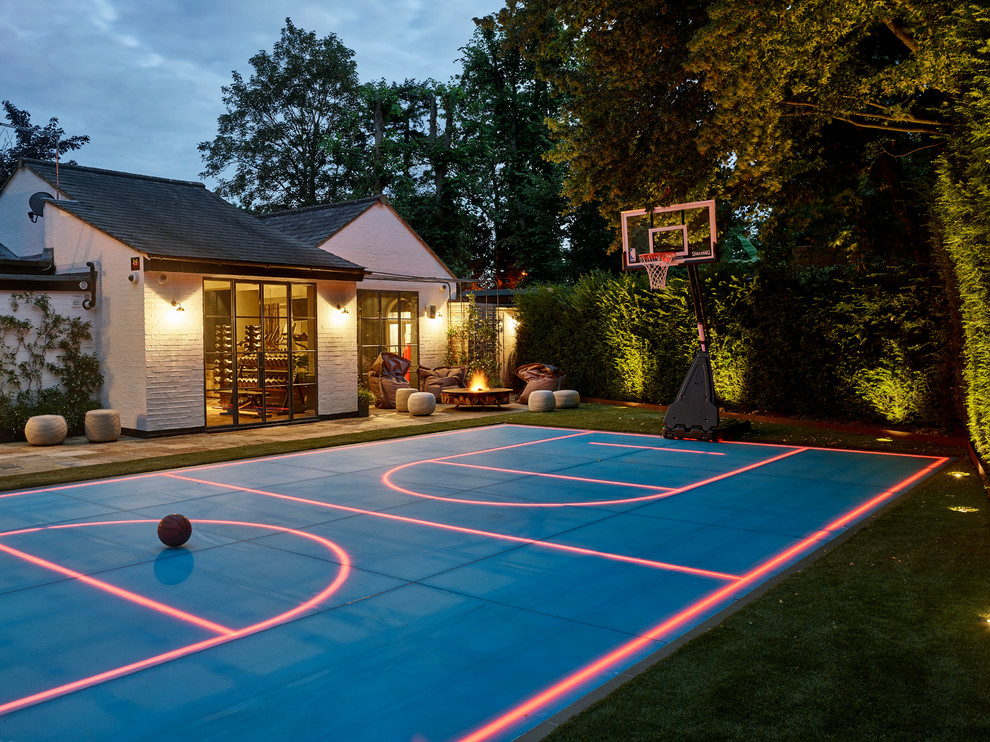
(142, 78)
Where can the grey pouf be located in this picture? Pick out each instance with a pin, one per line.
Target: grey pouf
(46, 430)
(421, 403)
(565, 398)
(402, 396)
(542, 400)
(102, 426)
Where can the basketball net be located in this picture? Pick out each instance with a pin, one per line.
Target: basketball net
(657, 264)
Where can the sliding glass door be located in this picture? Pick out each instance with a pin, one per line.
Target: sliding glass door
(260, 351)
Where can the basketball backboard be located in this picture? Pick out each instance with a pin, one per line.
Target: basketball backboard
(687, 230)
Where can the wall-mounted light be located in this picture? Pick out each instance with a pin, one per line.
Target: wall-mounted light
(178, 307)
(431, 311)
(342, 309)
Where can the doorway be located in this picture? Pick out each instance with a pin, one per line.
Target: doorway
(388, 321)
(260, 352)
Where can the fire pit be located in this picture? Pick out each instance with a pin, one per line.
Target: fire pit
(476, 394)
(458, 396)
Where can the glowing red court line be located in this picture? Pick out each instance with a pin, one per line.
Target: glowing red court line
(344, 563)
(842, 522)
(634, 646)
(650, 487)
(118, 591)
(665, 449)
(76, 485)
(385, 441)
(514, 445)
(474, 531)
(387, 480)
(836, 450)
(631, 647)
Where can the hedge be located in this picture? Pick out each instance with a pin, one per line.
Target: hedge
(822, 343)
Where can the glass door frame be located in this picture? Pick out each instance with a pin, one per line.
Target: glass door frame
(260, 364)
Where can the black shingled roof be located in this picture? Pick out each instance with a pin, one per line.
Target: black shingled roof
(182, 221)
(314, 225)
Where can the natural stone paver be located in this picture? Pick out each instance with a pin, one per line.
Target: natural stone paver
(23, 458)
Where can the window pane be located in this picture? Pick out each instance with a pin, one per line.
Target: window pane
(248, 300)
(368, 303)
(303, 333)
(369, 332)
(303, 300)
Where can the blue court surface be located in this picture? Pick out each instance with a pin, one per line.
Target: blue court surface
(457, 586)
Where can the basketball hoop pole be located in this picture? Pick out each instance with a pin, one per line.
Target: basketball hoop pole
(699, 306)
(694, 413)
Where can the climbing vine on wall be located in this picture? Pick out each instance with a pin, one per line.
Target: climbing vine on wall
(39, 345)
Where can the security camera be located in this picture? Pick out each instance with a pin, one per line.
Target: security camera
(133, 278)
(162, 278)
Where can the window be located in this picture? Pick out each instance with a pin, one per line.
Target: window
(260, 354)
(388, 321)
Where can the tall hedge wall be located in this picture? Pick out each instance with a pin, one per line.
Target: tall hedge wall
(822, 343)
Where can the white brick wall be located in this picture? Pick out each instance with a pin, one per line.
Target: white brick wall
(337, 348)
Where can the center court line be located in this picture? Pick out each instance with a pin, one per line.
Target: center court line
(472, 531)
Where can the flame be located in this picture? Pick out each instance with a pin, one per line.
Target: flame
(479, 382)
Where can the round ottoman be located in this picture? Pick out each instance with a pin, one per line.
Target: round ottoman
(402, 398)
(542, 400)
(566, 398)
(102, 426)
(45, 430)
(422, 403)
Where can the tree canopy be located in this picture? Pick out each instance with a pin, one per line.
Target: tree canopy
(48, 143)
(291, 135)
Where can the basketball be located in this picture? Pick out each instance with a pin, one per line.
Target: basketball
(174, 530)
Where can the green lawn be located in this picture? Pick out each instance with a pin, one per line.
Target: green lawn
(886, 637)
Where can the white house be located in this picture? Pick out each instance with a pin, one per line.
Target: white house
(205, 317)
(403, 301)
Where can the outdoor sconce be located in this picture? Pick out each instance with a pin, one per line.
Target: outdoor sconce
(431, 311)
(178, 307)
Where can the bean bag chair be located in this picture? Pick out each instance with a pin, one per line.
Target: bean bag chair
(539, 376)
(435, 380)
(387, 374)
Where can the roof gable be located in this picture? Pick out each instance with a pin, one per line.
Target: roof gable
(314, 225)
(178, 220)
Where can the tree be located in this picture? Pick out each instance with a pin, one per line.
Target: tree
(48, 143)
(292, 132)
(833, 114)
(514, 189)
(631, 111)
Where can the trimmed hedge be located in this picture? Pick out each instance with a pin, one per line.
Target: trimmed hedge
(822, 343)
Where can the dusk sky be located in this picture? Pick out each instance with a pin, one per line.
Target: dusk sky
(142, 78)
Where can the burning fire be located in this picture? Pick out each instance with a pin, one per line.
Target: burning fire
(479, 382)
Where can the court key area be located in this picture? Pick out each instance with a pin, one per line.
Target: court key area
(466, 585)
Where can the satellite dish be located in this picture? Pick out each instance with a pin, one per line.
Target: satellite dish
(37, 202)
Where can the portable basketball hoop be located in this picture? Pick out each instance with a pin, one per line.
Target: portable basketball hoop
(657, 264)
(654, 239)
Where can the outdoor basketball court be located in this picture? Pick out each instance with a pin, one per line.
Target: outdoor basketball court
(462, 585)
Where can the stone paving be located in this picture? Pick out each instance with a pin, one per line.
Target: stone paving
(22, 458)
